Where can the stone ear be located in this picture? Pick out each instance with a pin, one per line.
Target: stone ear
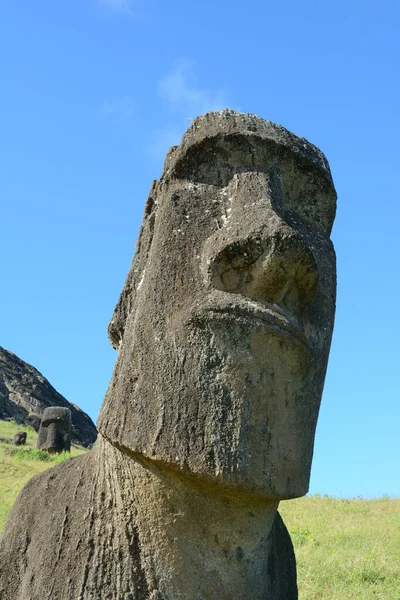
(136, 273)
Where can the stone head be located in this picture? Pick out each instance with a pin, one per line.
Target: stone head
(55, 430)
(20, 438)
(225, 321)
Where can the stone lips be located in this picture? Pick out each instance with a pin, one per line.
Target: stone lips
(25, 394)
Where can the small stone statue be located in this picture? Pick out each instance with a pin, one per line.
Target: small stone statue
(20, 438)
(55, 430)
(223, 331)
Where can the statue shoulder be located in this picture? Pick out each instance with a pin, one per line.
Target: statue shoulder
(34, 533)
(63, 535)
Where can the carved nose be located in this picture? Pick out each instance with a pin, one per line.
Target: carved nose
(280, 269)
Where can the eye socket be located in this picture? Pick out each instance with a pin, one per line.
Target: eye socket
(312, 199)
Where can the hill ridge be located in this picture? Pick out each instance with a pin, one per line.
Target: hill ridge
(25, 391)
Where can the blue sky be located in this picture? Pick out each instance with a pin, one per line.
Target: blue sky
(93, 94)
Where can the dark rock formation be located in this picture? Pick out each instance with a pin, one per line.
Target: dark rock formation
(20, 438)
(223, 330)
(25, 394)
(55, 430)
(35, 420)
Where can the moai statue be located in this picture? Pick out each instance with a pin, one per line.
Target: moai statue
(55, 430)
(223, 330)
(20, 438)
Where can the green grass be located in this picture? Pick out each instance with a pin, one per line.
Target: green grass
(19, 463)
(345, 549)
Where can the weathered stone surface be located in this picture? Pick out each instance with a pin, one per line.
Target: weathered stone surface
(223, 329)
(96, 546)
(20, 438)
(55, 430)
(25, 394)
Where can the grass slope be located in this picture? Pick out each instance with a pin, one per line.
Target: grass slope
(19, 464)
(345, 549)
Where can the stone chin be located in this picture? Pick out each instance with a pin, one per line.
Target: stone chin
(259, 435)
(236, 410)
(260, 382)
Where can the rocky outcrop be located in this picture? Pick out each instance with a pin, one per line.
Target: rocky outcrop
(25, 394)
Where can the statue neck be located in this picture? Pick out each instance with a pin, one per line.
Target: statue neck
(198, 544)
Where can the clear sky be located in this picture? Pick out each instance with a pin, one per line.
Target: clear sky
(93, 92)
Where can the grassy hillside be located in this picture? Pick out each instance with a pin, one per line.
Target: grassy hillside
(19, 464)
(345, 549)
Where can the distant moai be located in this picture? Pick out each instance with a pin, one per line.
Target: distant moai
(55, 430)
(20, 438)
(223, 330)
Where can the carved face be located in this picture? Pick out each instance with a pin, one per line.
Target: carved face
(225, 346)
(55, 430)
